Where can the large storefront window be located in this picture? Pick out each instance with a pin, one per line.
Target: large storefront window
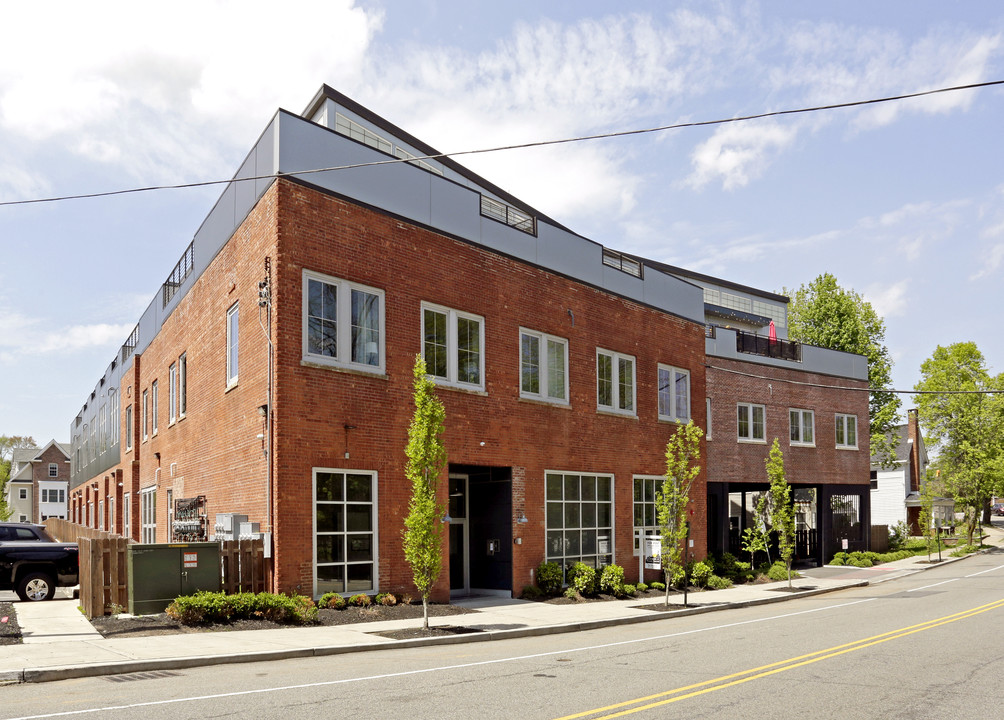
(579, 519)
(344, 531)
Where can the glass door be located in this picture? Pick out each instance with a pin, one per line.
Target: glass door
(460, 582)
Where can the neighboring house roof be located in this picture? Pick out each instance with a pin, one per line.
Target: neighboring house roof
(23, 474)
(62, 447)
(913, 500)
(23, 455)
(901, 435)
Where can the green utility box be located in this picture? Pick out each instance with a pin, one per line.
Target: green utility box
(158, 573)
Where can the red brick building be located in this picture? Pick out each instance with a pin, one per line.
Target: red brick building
(271, 376)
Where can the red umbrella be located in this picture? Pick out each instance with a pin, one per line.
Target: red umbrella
(772, 332)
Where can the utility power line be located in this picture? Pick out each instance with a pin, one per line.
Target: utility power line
(520, 146)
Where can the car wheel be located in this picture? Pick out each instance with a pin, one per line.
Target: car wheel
(36, 586)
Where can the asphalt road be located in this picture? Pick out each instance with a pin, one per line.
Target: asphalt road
(924, 646)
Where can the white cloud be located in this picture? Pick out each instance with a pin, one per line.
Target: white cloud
(738, 153)
(29, 336)
(990, 262)
(888, 300)
(160, 92)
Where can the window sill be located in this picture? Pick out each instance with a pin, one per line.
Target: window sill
(230, 386)
(846, 447)
(617, 413)
(801, 445)
(546, 403)
(749, 441)
(470, 390)
(673, 421)
(308, 361)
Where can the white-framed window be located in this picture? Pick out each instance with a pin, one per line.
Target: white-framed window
(707, 419)
(345, 531)
(153, 408)
(126, 514)
(182, 385)
(233, 318)
(847, 431)
(645, 520)
(579, 518)
(543, 366)
(615, 386)
(101, 514)
(802, 425)
(148, 514)
(172, 393)
(452, 345)
(750, 421)
(343, 323)
(111, 514)
(53, 470)
(674, 393)
(128, 427)
(146, 415)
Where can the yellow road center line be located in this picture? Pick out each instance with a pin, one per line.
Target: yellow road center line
(779, 666)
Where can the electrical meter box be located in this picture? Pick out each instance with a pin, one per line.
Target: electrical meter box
(158, 573)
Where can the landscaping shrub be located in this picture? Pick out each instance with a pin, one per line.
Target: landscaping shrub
(699, 574)
(716, 582)
(612, 580)
(744, 572)
(899, 535)
(642, 587)
(205, 608)
(657, 585)
(778, 572)
(583, 578)
(360, 600)
(629, 590)
(571, 593)
(725, 566)
(549, 578)
(678, 577)
(387, 599)
(531, 592)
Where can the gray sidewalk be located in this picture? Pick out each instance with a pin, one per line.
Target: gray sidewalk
(59, 643)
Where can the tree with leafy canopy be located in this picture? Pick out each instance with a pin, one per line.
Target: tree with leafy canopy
(755, 538)
(782, 513)
(423, 545)
(682, 453)
(826, 315)
(962, 422)
(9, 443)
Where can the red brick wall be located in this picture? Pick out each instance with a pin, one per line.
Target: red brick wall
(412, 265)
(729, 382)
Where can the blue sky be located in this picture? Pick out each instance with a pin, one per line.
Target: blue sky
(903, 202)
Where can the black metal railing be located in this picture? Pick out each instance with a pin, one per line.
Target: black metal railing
(180, 273)
(754, 344)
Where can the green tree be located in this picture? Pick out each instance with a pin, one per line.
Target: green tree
(682, 453)
(826, 315)
(782, 513)
(9, 443)
(423, 545)
(755, 538)
(963, 428)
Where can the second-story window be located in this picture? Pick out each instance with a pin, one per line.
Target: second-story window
(343, 323)
(615, 386)
(128, 427)
(801, 425)
(543, 366)
(750, 419)
(452, 345)
(182, 385)
(674, 394)
(172, 392)
(847, 431)
(146, 415)
(153, 408)
(233, 315)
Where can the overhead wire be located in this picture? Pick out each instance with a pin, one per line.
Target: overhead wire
(518, 146)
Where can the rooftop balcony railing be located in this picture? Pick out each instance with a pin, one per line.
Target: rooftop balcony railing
(755, 344)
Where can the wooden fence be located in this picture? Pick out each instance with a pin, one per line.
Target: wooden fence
(242, 564)
(104, 572)
(66, 531)
(104, 586)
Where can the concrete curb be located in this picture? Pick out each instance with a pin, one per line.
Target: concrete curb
(66, 672)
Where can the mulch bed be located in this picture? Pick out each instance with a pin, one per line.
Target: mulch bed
(148, 625)
(10, 631)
